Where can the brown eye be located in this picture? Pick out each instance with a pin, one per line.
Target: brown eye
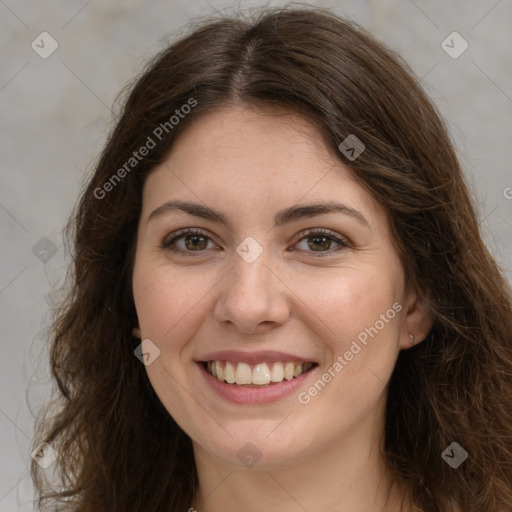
(321, 242)
(195, 242)
(186, 241)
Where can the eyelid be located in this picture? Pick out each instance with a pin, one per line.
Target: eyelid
(184, 231)
(343, 242)
(169, 239)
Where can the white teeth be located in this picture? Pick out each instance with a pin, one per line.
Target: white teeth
(288, 371)
(229, 373)
(219, 369)
(243, 374)
(260, 375)
(277, 372)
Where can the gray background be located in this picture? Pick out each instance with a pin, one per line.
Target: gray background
(56, 112)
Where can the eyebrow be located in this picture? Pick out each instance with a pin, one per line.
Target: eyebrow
(291, 214)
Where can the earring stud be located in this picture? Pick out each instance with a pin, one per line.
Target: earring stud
(411, 338)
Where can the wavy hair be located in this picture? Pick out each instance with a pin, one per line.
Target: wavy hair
(119, 449)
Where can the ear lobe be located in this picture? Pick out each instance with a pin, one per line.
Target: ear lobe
(136, 332)
(418, 322)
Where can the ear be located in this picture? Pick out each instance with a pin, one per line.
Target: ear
(136, 332)
(418, 321)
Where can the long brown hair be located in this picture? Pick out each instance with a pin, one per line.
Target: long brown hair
(119, 449)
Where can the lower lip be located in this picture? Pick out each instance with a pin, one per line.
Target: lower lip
(244, 395)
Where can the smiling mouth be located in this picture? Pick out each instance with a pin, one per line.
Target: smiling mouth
(256, 375)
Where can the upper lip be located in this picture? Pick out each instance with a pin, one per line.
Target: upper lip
(253, 357)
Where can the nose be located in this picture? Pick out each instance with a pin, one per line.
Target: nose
(253, 298)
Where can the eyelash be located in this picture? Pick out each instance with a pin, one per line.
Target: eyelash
(312, 233)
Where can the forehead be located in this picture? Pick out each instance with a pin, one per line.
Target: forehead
(253, 158)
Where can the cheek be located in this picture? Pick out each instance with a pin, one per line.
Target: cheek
(169, 302)
(344, 302)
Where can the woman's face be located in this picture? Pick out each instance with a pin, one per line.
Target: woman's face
(290, 262)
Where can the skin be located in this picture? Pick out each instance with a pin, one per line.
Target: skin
(249, 164)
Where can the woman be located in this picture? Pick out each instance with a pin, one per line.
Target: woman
(280, 298)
